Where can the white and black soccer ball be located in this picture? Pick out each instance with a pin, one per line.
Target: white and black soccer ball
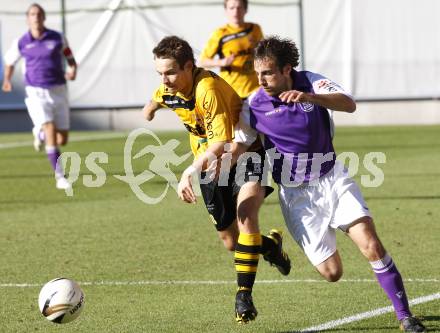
(61, 300)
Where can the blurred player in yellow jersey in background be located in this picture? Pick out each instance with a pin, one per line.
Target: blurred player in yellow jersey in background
(231, 47)
(209, 108)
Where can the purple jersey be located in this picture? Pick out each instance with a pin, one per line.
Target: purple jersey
(300, 134)
(43, 58)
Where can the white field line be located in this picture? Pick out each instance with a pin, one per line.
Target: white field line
(318, 328)
(208, 282)
(73, 139)
(367, 315)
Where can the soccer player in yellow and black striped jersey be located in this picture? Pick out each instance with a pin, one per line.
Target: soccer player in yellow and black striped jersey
(208, 111)
(209, 108)
(231, 47)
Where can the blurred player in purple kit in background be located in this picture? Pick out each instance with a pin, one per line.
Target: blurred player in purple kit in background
(43, 51)
(290, 115)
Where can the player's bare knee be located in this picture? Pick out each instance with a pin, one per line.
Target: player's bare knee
(229, 244)
(332, 275)
(331, 269)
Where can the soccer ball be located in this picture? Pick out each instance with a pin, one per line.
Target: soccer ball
(61, 300)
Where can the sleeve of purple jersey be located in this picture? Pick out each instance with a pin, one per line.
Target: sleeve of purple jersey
(323, 85)
(12, 55)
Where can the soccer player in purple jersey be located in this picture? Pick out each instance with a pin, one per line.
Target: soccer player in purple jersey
(47, 102)
(290, 114)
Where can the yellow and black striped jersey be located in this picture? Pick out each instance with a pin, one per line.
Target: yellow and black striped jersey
(240, 42)
(209, 113)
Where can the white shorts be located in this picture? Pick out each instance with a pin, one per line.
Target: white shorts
(313, 212)
(45, 105)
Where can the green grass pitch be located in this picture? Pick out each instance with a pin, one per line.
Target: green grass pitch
(161, 268)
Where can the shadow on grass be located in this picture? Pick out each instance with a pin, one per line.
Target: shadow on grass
(351, 329)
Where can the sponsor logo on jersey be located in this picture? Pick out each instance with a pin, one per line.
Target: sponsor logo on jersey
(274, 111)
(328, 85)
(206, 105)
(50, 45)
(209, 131)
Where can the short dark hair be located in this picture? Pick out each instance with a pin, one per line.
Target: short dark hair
(175, 48)
(283, 51)
(37, 6)
(243, 2)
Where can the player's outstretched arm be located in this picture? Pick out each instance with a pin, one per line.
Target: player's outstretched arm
(336, 101)
(214, 168)
(7, 85)
(150, 109)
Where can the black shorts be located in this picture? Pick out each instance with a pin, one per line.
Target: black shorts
(221, 201)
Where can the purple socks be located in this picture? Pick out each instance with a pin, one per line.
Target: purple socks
(41, 135)
(391, 282)
(52, 155)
